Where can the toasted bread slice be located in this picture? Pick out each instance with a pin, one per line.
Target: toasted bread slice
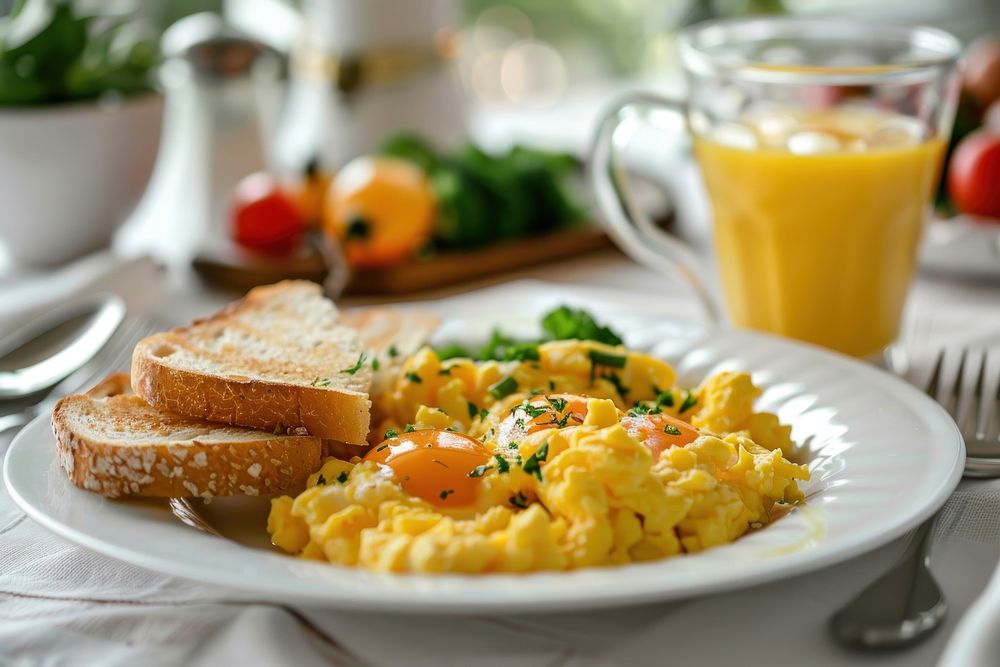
(390, 335)
(114, 443)
(274, 360)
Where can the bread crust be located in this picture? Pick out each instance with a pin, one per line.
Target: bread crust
(266, 406)
(335, 413)
(276, 464)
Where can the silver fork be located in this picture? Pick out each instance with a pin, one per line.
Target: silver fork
(114, 356)
(905, 604)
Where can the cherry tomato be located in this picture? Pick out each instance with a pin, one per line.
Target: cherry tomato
(381, 209)
(974, 174)
(434, 465)
(659, 432)
(264, 216)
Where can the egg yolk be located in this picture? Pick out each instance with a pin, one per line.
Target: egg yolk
(659, 432)
(553, 411)
(434, 465)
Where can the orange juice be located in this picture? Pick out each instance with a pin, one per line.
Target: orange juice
(817, 220)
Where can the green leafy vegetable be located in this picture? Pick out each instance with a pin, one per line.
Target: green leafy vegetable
(52, 52)
(484, 197)
(565, 323)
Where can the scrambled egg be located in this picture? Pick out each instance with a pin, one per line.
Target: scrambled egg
(586, 456)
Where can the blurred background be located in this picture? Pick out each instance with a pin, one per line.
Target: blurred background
(139, 123)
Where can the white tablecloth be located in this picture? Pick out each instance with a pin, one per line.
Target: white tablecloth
(60, 604)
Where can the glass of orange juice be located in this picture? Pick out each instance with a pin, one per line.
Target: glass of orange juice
(820, 143)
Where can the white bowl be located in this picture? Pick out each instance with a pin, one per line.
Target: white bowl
(70, 174)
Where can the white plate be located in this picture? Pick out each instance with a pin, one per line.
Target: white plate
(883, 457)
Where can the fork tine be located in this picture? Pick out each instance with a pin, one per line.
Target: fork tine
(952, 401)
(993, 417)
(977, 425)
(935, 381)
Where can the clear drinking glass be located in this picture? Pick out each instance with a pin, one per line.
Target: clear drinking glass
(820, 143)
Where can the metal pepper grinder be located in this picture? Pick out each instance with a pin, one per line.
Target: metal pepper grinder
(219, 71)
(232, 93)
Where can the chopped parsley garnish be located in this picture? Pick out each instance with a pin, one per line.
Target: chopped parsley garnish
(393, 352)
(374, 363)
(473, 410)
(689, 402)
(342, 477)
(321, 382)
(520, 500)
(502, 464)
(503, 388)
(444, 494)
(533, 465)
(565, 323)
(670, 429)
(599, 358)
(483, 413)
(413, 377)
(665, 398)
(552, 385)
(391, 433)
(479, 471)
(381, 447)
(321, 479)
(558, 403)
(444, 371)
(357, 365)
(409, 429)
(533, 410)
(616, 380)
(642, 409)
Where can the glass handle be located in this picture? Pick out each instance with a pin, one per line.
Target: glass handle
(630, 228)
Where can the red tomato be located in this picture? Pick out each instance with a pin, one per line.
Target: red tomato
(264, 216)
(974, 174)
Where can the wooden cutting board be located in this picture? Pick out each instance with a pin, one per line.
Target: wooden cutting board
(234, 267)
(454, 266)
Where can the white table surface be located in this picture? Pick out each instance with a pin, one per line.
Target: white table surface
(63, 605)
